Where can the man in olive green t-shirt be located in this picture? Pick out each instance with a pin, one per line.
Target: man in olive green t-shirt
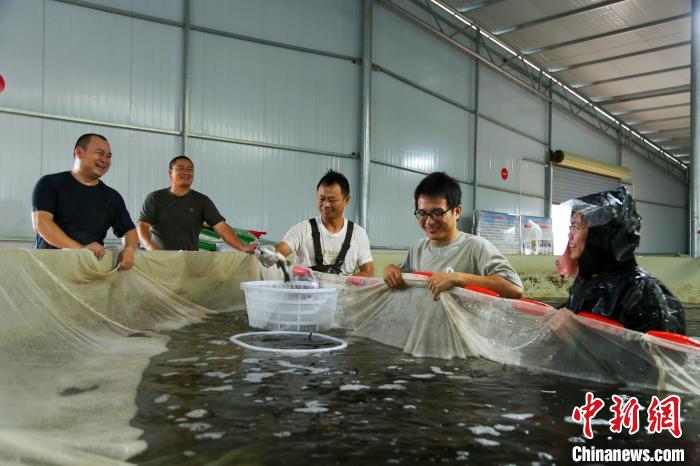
(171, 218)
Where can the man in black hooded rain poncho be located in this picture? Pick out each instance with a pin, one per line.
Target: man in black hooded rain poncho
(603, 236)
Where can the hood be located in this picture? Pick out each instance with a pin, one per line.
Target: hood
(613, 231)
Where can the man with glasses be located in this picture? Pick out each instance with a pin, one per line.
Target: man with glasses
(330, 243)
(171, 218)
(455, 258)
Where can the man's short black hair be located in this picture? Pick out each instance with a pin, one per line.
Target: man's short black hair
(179, 157)
(333, 177)
(439, 184)
(84, 140)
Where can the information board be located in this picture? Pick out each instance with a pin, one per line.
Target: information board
(515, 234)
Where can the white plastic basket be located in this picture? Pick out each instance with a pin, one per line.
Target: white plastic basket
(297, 305)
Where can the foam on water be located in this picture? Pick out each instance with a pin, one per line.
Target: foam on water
(480, 430)
(312, 407)
(222, 388)
(487, 442)
(197, 413)
(353, 387)
(257, 377)
(517, 417)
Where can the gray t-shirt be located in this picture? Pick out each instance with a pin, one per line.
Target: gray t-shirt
(466, 253)
(176, 221)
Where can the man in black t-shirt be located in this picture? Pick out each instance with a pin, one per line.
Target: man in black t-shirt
(74, 209)
(171, 218)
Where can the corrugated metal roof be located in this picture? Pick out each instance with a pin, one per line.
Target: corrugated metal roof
(630, 57)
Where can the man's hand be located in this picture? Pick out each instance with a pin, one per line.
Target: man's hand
(126, 258)
(392, 277)
(96, 248)
(439, 282)
(248, 248)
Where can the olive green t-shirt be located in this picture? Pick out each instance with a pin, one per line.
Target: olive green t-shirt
(465, 253)
(176, 221)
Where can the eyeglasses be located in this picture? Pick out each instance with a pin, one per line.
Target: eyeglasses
(437, 215)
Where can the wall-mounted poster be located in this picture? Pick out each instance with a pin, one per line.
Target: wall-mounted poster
(515, 234)
(502, 230)
(536, 236)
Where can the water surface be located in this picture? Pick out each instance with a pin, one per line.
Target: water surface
(207, 401)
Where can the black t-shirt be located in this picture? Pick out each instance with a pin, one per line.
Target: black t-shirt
(176, 220)
(84, 213)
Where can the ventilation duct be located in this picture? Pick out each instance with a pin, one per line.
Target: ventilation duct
(578, 162)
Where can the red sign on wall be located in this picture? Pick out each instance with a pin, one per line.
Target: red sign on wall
(504, 173)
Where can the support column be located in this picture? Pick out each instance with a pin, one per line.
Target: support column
(694, 188)
(548, 166)
(184, 126)
(475, 150)
(365, 154)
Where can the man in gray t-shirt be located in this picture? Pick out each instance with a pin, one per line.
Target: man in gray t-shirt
(454, 257)
(171, 218)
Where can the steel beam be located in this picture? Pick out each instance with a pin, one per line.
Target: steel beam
(598, 61)
(657, 120)
(603, 35)
(365, 153)
(546, 19)
(610, 100)
(629, 76)
(650, 109)
(471, 6)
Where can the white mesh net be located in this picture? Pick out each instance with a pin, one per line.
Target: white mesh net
(76, 336)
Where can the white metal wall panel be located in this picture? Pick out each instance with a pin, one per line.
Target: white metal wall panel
(651, 183)
(329, 25)
(260, 93)
(147, 165)
(156, 75)
(440, 68)
(391, 220)
(571, 135)
(168, 9)
(664, 229)
(514, 204)
(22, 29)
(415, 130)
(506, 102)
(267, 189)
(87, 63)
(20, 168)
(500, 148)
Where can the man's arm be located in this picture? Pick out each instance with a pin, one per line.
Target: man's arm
(442, 281)
(44, 225)
(283, 248)
(229, 236)
(366, 270)
(130, 241)
(144, 235)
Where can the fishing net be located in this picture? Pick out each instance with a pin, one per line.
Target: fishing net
(76, 336)
(464, 323)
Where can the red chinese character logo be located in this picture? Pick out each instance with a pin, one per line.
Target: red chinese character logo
(625, 415)
(665, 415)
(587, 412)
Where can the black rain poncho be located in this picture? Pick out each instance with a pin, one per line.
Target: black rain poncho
(609, 281)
